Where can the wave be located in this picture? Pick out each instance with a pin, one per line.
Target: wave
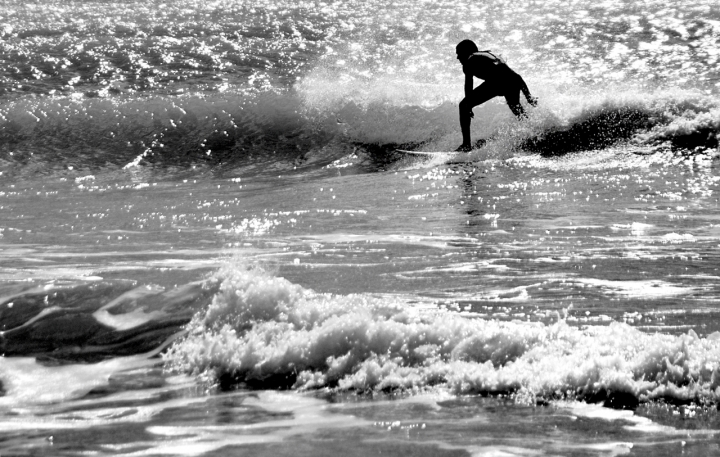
(691, 131)
(245, 327)
(153, 131)
(688, 123)
(310, 129)
(596, 130)
(262, 331)
(91, 321)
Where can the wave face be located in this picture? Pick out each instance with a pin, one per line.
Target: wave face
(262, 331)
(271, 132)
(89, 321)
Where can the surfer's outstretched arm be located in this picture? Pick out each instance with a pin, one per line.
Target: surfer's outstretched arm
(526, 92)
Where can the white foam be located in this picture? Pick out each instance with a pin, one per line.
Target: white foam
(259, 325)
(27, 382)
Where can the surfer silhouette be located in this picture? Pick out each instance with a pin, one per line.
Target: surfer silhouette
(499, 80)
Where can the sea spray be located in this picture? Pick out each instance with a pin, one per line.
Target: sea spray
(264, 331)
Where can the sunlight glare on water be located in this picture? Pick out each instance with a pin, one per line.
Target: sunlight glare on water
(210, 243)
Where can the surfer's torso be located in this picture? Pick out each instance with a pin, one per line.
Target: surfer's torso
(486, 66)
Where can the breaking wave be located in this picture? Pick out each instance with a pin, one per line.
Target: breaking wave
(265, 332)
(686, 122)
(306, 128)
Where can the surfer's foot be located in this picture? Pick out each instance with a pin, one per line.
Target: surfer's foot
(464, 148)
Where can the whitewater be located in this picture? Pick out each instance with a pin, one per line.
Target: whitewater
(210, 245)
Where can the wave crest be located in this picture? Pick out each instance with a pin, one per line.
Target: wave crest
(266, 332)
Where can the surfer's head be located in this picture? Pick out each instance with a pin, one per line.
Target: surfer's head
(464, 49)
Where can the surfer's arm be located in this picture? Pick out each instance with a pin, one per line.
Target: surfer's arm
(524, 88)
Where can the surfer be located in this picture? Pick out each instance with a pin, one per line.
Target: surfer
(499, 80)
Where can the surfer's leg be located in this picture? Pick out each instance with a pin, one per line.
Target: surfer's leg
(479, 95)
(465, 117)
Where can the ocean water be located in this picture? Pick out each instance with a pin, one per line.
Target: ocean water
(210, 246)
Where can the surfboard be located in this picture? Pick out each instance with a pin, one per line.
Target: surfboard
(447, 156)
(428, 153)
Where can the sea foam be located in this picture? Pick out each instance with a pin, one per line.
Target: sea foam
(266, 332)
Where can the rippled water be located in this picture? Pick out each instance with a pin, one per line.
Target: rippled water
(209, 244)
